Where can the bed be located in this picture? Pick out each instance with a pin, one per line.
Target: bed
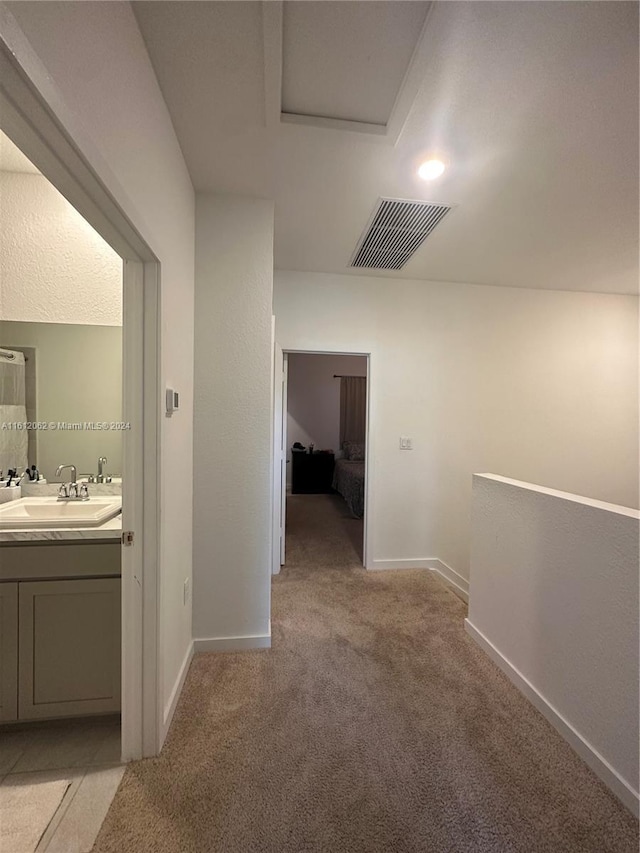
(348, 481)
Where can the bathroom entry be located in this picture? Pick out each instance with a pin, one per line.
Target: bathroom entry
(45, 145)
(323, 475)
(61, 453)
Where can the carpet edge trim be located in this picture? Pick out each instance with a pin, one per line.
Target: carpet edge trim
(600, 766)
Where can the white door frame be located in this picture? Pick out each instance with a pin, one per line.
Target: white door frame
(283, 463)
(278, 458)
(35, 117)
(278, 498)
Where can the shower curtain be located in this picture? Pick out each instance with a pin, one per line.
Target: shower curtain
(13, 441)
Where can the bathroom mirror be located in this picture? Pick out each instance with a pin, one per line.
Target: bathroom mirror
(70, 380)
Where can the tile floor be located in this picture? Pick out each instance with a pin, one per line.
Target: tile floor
(87, 753)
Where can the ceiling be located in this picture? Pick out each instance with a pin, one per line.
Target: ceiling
(328, 106)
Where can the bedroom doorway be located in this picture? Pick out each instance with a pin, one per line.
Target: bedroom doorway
(320, 440)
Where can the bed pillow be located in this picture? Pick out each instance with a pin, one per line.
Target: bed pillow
(354, 451)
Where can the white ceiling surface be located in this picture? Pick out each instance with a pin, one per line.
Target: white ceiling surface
(534, 105)
(12, 159)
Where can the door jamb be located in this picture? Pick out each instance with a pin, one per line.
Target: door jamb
(283, 466)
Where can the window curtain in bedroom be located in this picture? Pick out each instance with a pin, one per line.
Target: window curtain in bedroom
(353, 409)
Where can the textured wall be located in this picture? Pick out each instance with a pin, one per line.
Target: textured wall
(54, 267)
(554, 588)
(232, 423)
(537, 385)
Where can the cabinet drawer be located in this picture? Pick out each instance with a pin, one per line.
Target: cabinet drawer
(40, 560)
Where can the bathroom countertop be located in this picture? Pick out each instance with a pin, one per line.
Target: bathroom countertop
(111, 529)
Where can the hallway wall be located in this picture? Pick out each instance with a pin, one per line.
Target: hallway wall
(554, 602)
(232, 438)
(536, 385)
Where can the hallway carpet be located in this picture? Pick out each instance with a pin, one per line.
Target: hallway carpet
(374, 725)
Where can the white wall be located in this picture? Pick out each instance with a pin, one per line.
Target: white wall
(541, 386)
(54, 267)
(554, 600)
(96, 61)
(313, 410)
(232, 437)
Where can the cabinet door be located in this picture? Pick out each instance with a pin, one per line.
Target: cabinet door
(69, 648)
(8, 651)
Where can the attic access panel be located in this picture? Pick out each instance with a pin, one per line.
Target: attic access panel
(347, 61)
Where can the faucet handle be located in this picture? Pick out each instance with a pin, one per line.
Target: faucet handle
(84, 491)
(62, 491)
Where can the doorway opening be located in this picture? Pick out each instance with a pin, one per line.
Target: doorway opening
(36, 125)
(321, 437)
(61, 445)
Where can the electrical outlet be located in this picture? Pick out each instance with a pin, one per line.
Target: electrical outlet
(186, 591)
(406, 443)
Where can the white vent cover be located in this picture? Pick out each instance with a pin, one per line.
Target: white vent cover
(397, 229)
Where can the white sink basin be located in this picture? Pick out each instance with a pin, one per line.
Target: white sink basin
(52, 513)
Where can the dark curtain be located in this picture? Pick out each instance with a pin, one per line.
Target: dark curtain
(353, 409)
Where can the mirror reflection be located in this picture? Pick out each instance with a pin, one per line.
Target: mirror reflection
(64, 382)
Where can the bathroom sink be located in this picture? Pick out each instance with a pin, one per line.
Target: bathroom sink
(52, 513)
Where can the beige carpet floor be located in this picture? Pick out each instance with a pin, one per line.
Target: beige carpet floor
(374, 725)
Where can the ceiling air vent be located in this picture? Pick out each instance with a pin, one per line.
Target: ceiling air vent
(397, 229)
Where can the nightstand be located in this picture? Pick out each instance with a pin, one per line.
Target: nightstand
(312, 473)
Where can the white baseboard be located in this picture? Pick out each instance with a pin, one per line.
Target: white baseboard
(456, 582)
(384, 565)
(589, 755)
(232, 644)
(170, 707)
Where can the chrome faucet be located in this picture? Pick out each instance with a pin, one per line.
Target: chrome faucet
(100, 477)
(69, 491)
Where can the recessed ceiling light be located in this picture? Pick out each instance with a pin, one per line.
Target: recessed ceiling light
(431, 169)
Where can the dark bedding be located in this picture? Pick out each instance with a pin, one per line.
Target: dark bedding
(348, 480)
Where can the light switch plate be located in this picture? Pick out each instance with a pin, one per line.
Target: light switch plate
(406, 443)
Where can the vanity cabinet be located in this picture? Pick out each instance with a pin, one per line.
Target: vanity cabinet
(8, 652)
(69, 648)
(60, 638)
